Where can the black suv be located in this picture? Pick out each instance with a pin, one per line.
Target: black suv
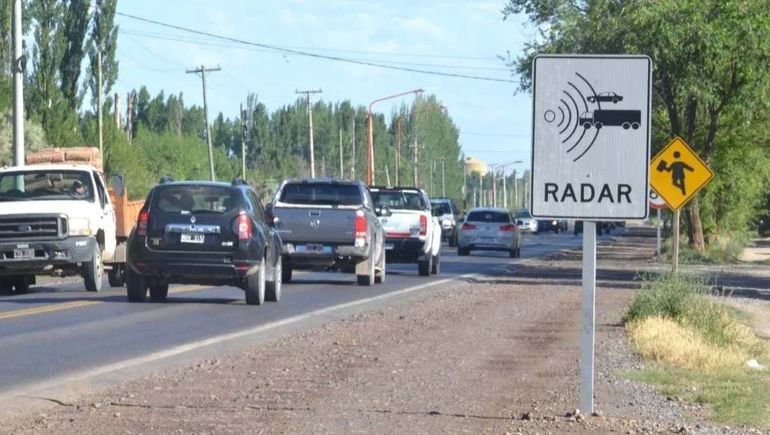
(202, 232)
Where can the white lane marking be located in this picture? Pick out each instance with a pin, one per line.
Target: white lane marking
(156, 356)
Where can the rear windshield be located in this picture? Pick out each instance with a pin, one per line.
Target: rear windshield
(195, 199)
(488, 216)
(442, 207)
(523, 213)
(321, 194)
(399, 200)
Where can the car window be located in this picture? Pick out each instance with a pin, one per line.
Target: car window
(321, 194)
(443, 207)
(399, 199)
(259, 212)
(523, 214)
(488, 216)
(195, 199)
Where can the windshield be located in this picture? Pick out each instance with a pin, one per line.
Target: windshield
(442, 208)
(321, 194)
(488, 216)
(46, 185)
(195, 199)
(523, 213)
(399, 199)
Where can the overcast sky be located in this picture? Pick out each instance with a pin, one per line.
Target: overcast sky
(460, 37)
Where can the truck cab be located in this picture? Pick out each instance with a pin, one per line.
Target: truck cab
(55, 219)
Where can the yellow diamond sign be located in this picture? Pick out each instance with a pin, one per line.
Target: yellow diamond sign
(677, 173)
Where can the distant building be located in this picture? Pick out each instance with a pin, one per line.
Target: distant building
(473, 164)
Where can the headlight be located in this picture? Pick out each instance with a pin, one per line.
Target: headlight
(554, 223)
(79, 227)
(447, 222)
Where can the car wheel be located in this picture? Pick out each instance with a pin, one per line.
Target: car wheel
(598, 125)
(614, 101)
(255, 286)
(136, 286)
(286, 270)
(367, 279)
(158, 293)
(586, 125)
(436, 267)
(117, 275)
(93, 270)
(379, 276)
(626, 126)
(462, 252)
(273, 287)
(635, 126)
(6, 286)
(424, 266)
(21, 284)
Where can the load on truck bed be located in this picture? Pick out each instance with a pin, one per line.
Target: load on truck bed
(329, 224)
(412, 233)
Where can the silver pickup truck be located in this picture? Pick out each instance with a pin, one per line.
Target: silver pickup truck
(330, 225)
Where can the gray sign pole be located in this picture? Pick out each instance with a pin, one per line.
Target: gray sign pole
(587, 318)
(657, 237)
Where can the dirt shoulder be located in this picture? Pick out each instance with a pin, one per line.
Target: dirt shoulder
(489, 356)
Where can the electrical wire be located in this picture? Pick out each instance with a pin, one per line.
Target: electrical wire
(316, 55)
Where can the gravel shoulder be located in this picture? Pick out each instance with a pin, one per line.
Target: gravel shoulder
(492, 355)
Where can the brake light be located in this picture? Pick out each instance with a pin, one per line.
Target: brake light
(423, 225)
(141, 223)
(360, 229)
(508, 227)
(469, 227)
(244, 227)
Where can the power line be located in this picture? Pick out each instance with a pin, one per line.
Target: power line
(316, 55)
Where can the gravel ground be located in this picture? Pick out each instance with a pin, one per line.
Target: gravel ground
(498, 355)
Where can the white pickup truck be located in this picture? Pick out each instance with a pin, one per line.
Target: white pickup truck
(55, 219)
(412, 233)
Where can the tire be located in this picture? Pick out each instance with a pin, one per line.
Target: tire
(598, 125)
(273, 287)
(635, 126)
(21, 284)
(379, 277)
(255, 286)
(368, 279)
(117, 275)
(424, 267)
(136, 286)
(586, 125)
(93, 271)
(286, 271)
(626, 126)
(614, 101)
(436, 267)
(158, 293)
(6, 286)
(462, 252)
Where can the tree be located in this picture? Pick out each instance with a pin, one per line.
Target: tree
(709, 60)
(74, 29)
(104, 40)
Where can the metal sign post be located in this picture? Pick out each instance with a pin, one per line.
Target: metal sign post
(657, 203)
(590, 154)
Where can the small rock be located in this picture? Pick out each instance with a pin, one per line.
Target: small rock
(527, 416)
(116, 415)
(597, 414)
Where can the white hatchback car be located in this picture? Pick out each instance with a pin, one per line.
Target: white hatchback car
(489, 229)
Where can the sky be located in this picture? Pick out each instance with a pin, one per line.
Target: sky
(454, 36)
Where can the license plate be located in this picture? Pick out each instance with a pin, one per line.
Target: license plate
(23, 253)
(389, 246)
(192, 238)
(314, 248)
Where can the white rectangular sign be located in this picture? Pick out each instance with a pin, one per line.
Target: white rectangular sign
(590, 136)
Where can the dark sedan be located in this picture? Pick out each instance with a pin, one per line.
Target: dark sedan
(200, 232)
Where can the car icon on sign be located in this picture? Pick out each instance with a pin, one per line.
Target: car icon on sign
(605, 97)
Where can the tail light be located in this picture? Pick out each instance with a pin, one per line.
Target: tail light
(244, 227)
(509, 227)
(141, 223)
(469, 227)
(360, 229)
(423, 225)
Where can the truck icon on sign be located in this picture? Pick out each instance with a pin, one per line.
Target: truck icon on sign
(614, 118)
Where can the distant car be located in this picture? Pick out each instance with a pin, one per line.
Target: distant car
(489, 229)
(203, 232)
(448, 215)
(555, 225)
(525, 221)
(605, 97)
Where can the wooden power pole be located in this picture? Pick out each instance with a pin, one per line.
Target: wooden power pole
(310, 126)
(202, 70)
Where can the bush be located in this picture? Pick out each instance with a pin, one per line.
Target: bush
(664, 295)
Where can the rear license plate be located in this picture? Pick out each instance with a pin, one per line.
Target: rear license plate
(192, 238)
(23, 253)
(314, 248)
(389, 246)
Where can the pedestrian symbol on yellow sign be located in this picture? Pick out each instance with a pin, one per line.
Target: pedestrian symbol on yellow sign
(688, 173)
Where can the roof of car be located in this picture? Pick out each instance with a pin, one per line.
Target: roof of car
(395, 188)
(199, 183)
(321, 180)
(494, 209)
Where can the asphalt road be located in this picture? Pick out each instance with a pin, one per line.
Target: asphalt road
(55, 331)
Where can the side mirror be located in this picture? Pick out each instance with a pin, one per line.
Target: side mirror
(382, 211)
(119, 185)
(276, 222)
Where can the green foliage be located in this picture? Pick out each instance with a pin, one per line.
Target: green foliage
(34, 137)
(668, 295)
(104, 39)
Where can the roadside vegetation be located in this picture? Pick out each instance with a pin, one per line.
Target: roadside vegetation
(700, 349)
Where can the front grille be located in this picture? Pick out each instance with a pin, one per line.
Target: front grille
(32, 227)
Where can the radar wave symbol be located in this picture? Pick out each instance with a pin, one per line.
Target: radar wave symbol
(572, 104)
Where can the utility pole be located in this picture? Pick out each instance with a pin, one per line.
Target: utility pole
(342, 167)
(353, 154)
(202, 72)
(243, 143)
(505, 193)
(129, 117)
(18, 89)
(116, 110)
(481, 191)
(99, 126)
(414, 146)
(398, 145)
(515, 192)
(432, 170)
(494, 186)
(310, 126)
(443, 180)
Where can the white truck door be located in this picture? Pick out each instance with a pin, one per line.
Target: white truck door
(107, 221)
